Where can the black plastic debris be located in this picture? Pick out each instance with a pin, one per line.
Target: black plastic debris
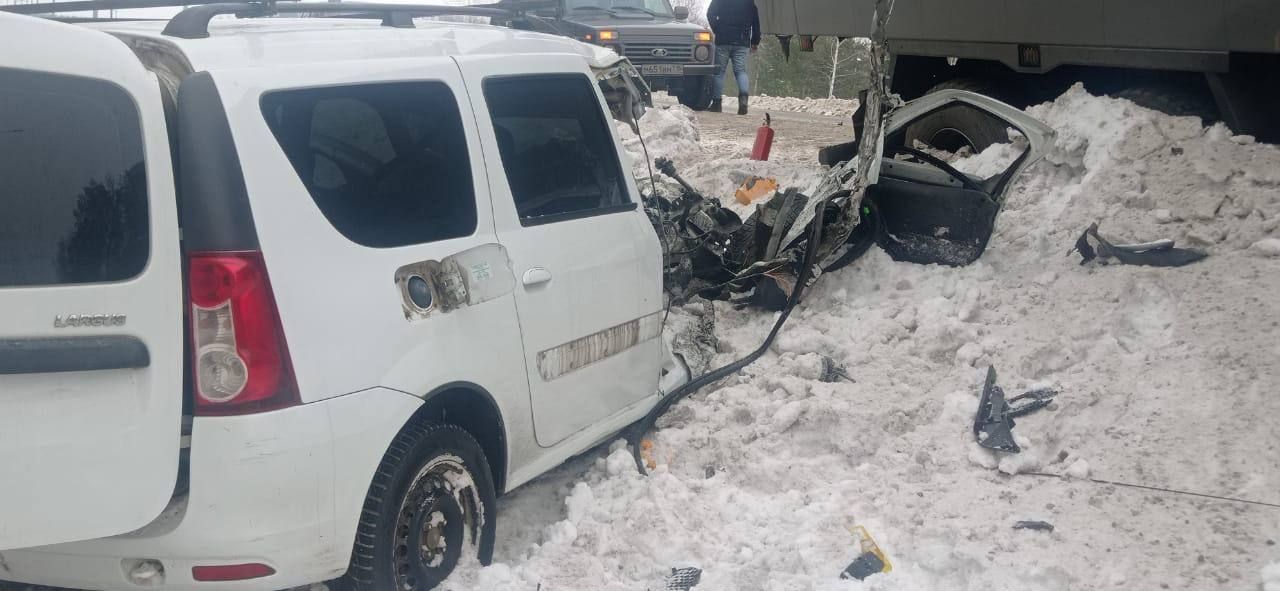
(1034, 525)
(871, 559)
(833, 372)
(683, 579)
(865, 565)
(993, 425)
(1159, 253)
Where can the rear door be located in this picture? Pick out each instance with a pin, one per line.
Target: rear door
(587, 263)
(90, 288)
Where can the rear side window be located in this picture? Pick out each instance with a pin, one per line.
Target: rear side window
(559, 156)
(73, 187)
(387, 164)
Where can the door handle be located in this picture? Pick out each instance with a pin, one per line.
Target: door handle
(536, 276)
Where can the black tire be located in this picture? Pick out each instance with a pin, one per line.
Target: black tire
(1172, 101)
(695, 92)
(955, 127)
(410, 498)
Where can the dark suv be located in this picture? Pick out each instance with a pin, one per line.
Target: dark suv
(671, 53)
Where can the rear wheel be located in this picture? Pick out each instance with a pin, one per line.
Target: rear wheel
(430, 508)
(695, 92)
(954, 127)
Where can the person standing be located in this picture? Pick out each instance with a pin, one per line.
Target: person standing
(736, 24)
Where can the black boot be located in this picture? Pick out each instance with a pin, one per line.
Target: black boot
(742, 104)
(715, 106)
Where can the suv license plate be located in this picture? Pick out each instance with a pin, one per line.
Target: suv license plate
(668, 69)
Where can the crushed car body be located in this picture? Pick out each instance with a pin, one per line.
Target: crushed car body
(916, 206)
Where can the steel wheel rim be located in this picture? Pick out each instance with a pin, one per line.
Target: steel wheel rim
(437, 518)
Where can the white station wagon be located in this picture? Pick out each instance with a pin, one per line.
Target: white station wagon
(286, 300)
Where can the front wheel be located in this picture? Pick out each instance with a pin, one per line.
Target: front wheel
(430, 507)
(695, 92)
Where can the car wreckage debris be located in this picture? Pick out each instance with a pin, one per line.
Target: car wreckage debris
(1159, 253)
(871, 559)
(1034, 525)
(684, 579)
(833, 372)
(993, 425)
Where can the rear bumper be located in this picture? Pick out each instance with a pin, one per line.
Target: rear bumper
(282, 489)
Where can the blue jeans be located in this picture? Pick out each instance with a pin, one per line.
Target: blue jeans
(738, 54)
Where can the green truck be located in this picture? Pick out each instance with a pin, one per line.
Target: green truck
(1218, 59)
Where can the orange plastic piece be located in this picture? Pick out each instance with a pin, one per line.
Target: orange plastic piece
(754, 188)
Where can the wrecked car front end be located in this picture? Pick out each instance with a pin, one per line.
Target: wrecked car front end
(912, 203)
(881, 189)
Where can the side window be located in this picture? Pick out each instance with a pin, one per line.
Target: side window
(387, 164)
(558, 153)
(73, 186)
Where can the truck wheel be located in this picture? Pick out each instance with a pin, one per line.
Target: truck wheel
(695, 92)
(955, 127)
(431, 497)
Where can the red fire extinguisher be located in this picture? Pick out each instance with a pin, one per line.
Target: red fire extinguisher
(764, 141)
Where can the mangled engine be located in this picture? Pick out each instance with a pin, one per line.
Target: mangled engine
(710, 251)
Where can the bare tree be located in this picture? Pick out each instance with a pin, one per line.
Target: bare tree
(837, 66)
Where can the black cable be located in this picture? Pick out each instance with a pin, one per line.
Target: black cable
(1156, 488)
(648, 162)
(806, 267)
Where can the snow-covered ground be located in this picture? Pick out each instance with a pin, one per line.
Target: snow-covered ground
(1168, 378)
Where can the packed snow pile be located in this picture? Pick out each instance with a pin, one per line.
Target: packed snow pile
(1167, 378)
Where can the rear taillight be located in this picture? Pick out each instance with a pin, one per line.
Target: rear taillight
(241, 361)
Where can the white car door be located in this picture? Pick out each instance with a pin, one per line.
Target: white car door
(90, 288)
(586, 260)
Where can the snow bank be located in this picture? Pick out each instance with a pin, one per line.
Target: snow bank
(1167, 378)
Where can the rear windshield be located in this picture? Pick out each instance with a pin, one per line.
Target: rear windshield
(73, 188)
(386, 163)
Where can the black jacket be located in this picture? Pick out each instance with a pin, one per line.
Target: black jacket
(735, 22)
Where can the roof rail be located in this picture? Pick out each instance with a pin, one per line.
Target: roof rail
(37, 8)
(193, 21)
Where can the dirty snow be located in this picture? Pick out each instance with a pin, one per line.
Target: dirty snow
(814, 106)
(1168, 378)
